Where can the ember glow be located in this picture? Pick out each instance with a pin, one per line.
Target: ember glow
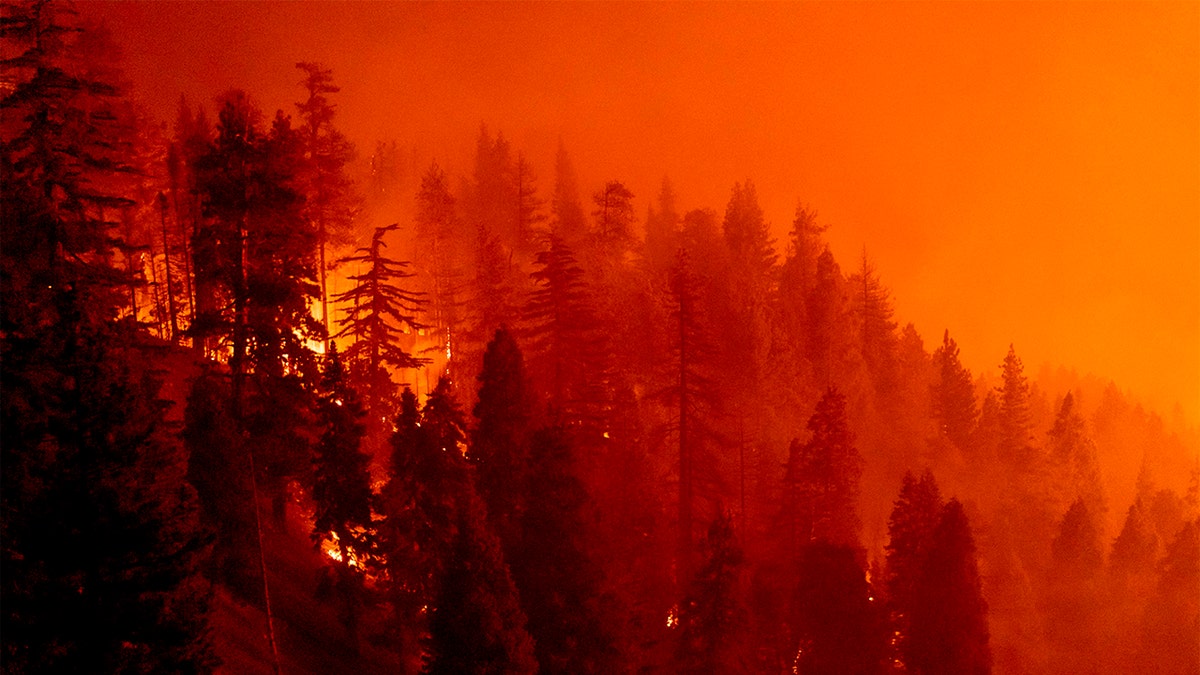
(591, 338)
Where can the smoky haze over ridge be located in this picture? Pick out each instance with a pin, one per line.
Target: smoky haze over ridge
(1026, 177)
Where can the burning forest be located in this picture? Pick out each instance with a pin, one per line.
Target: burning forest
(561, 338)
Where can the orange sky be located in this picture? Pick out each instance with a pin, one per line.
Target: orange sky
(1024, 173)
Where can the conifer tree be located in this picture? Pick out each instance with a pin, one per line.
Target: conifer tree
(1135, 549)
(821, 483)
(872, 308)
(662, 229)
(690, 394)
(500, 438)
(559, 581)
(711, 615)
(839, 626)
(567, 222)
(1073, 597)
(949, 622)
(614, 219)
(798, 275)
(102, 547)
(420, 507)
(953, 395)
(341, 483)
(827, 342)
(1073, 460)
(564, 338)
(330, 203)
(380, 314)
(476, 625)
(1172, 618)
(437, 232)
(910, 534)
(1015, 442)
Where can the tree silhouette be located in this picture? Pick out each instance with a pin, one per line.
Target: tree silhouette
(949, 622)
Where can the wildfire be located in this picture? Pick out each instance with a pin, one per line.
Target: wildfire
(333, 551)
(673, 617)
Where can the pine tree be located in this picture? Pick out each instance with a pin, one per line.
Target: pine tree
(476, 625)
(500, 439)
(420, 508)
(872, 308)
(910, 535)
(437, 232)
(662, 229)
(1136, 547)
(690, 394)
(380, 317)
(341, 487)
(559, 581)
(1073, 598)
(102, 547)
(953, 395)
(564, 337)
(839, 626)
(1173, 615)
(330, 203)
(529, 214)
(798, 275)
(949, 623)
(567, 222)
(821, 483)
(614, 219)
(827, 343)
(711, 616)
(1015, 447)
(1073, 460)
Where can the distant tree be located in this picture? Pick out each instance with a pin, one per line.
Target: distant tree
(438, 234)
(690, 392)
(1136, 547)
(341, 483)
(380, 313)
(529, 214)
(798, 275)
(827, 342)
(711, 615)
(953, 395)
(614, 218)
(559, 582)
(839, 626)
(330, 203)
(476, 625)
(567, 221)
(821, 482)
(1173, 614)
(950, 623)
(872, 308)
(564, 338)
(913, 521)
(662, 229)
(1073, 599)
(1073, 460)
(747, 234)
(493, 202)
(751, 282)
(1013, 414)
(499, 446)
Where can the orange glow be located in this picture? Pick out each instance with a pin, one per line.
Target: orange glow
(1019, 173)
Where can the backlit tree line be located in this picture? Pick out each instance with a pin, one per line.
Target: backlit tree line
(560, 436)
